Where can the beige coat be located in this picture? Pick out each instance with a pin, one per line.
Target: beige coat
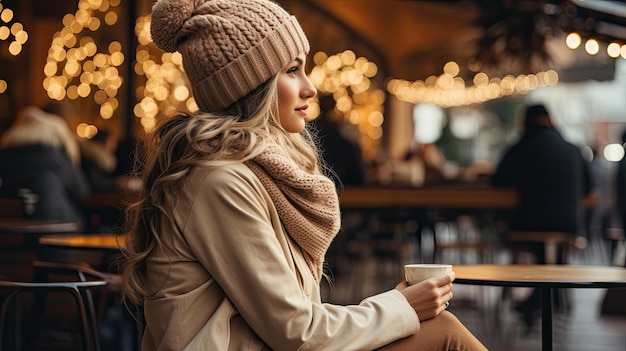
(238, 282)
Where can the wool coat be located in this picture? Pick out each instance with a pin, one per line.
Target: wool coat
(228, 277)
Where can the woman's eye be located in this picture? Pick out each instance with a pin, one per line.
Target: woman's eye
(292, 70)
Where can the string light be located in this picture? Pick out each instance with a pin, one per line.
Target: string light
(350, 80)
(77, 68)
(13, 31)
(450, 90)
(166, 90)
(614, 49)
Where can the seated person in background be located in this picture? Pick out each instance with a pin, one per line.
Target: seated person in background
(620, 188)
(342, 155)
(551, 176)
(552, 179)
(40, 153)
(98, 161)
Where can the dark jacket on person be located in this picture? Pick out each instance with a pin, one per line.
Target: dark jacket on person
(552, 179)
(47, 172)
(340, 154)
(620, 187)
(40, 153)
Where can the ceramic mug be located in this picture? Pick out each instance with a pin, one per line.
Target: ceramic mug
(415, 273)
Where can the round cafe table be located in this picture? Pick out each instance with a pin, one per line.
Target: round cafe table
(546, 278)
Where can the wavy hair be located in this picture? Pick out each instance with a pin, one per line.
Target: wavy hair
(205, 139)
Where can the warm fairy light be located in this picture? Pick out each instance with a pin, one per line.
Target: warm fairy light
(449, 91)
(349, 79)
(86, 131)
(166, 90)
(15, 29)
(573, 40)
(6, 15)
(592, 47)
(613, 152)
(76, 69)
(8, 29)
(613, 50)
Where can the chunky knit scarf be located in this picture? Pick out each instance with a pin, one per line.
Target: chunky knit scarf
(306, 203)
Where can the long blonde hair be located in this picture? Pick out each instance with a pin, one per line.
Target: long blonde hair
(183, 142)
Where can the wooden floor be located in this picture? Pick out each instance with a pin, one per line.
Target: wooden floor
(493, 321)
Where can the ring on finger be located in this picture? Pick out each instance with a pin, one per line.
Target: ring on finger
(447, 304)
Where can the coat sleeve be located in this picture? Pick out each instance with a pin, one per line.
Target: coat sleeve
(232, 230)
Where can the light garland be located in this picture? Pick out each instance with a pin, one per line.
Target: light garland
(349, 80)
(450, 90)
(7, 31)
(614, 49)
(166, 89)
(75, 68)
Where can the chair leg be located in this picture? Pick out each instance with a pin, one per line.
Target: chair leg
(91, 318)
(86, 332)
(11, 309)
(4, 314)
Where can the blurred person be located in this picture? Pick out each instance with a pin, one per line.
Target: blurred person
(432, 160)
(108, 168)
(612, 302)
(98, 161)
(620, 189)
(600, 218)
(552, 179)
(340, 154)
(39, 152)
(227, 244)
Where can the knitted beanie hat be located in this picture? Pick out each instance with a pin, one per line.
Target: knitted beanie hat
(229, 47)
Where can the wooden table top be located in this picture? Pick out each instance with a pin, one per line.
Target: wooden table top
(442, 197)
(104, 241)
(565, 276)
(37, 226)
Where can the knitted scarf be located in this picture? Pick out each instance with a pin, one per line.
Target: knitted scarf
(306, 203)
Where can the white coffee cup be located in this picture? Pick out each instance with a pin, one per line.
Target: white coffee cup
(415, 273)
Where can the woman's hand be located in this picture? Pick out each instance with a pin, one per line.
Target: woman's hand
(428, 298)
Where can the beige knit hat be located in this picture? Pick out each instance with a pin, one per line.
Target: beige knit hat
(229, 47)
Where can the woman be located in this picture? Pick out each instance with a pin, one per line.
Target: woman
(227, 245)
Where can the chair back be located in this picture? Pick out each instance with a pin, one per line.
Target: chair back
(11, 293)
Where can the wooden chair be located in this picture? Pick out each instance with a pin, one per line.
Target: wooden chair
(553, 242)
(555, 248)
(377, 255)
(464, 239)
(12, 292)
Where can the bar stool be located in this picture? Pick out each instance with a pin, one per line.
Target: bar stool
(79, 291)
(553, 242)
(555, 246)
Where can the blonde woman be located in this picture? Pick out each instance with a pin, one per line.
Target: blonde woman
(226, 248)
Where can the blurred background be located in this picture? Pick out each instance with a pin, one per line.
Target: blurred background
(404, 73)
